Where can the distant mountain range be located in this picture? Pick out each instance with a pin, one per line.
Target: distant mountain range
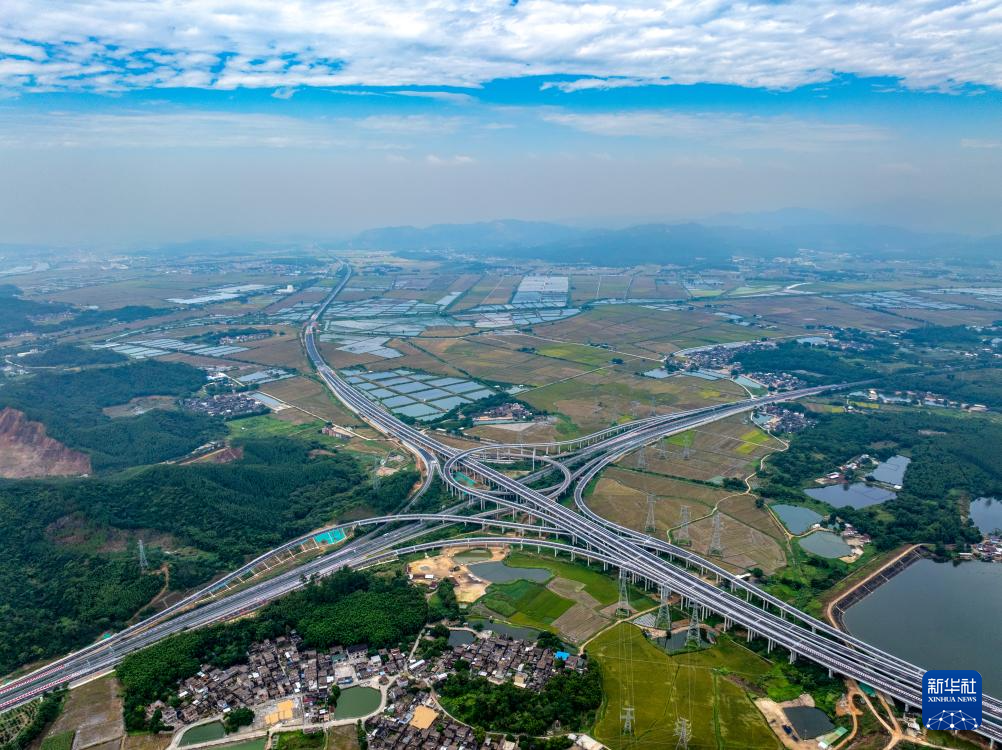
(715, 240)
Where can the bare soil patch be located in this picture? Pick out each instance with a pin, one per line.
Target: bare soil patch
(26, 450)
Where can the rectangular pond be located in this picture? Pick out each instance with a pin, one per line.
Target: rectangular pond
(856, 495)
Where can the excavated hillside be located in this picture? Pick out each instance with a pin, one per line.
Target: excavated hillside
(26, 451)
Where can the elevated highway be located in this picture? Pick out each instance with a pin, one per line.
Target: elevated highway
(700, 582)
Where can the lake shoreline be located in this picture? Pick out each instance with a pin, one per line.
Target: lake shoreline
(837, 608)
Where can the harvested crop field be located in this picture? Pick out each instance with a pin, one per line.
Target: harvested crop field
(731, 447)
(749, 537)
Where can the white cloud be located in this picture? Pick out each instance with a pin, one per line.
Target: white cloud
(730, 130)
(450, 97)
(979, 143)
(602, 84)
(108, 46)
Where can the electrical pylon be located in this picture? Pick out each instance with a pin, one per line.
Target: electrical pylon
(626, 715)
(663, 619)
(682, 535)
(692, 634)
(650, 526)
(144, 564)
(662, 450)
(683, 734)
(623, 608)
(716, 543)
(686, 444)
(642, 458)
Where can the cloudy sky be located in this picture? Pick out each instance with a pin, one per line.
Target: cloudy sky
(154, 120)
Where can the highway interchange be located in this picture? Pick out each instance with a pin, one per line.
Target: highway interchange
(654, 562)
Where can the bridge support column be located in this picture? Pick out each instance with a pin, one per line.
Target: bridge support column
(605, 565)
(750, 635)
(769, 645)
(793, 657)
(830, 673)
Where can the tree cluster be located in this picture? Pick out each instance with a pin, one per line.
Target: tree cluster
(569, 697)
(70, 405)
(60, 584)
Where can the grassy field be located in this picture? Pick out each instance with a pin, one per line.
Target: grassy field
(600, 585)
(525, 603)
(61, 741)
(585, 355)
(665, 688)
(267, 426)
(298, 741)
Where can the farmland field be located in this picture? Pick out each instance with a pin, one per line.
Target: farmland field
(640, 330)
(750, 537)
(666, 688)
(598, 399)
(731, 447)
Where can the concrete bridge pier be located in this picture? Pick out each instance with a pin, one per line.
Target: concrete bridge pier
(793, 657)
(769, 646)
(749, 635)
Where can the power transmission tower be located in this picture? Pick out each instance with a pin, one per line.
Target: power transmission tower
(662, 450)
(650, 526)
(686, 444)
(716, 543)
(144, 564)
(642, 458)
(682, 535)
(663, 619)
(692, 634)
(626, 714)
(623, 608)
(634, 408)
(683, 734)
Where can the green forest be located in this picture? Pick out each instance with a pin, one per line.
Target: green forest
(953, 459)
(70, 405)
(19, 315)
(344, 609)
(814, 366)
(978, 386)
(568, 697)
(71, 355)
(71, 570)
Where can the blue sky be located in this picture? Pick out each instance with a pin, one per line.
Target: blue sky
(135, 121)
